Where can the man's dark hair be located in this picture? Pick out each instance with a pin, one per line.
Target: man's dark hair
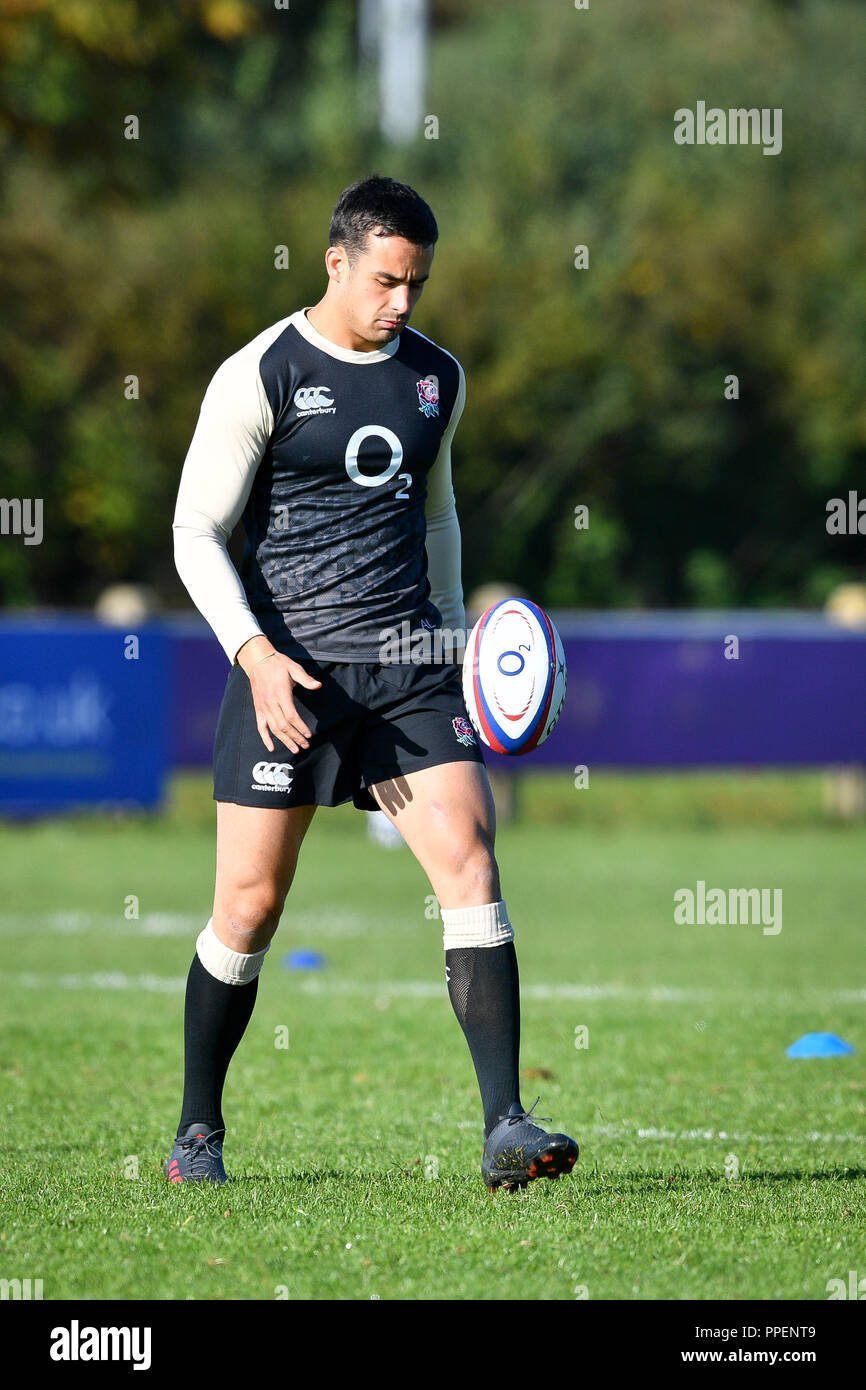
(382, 206)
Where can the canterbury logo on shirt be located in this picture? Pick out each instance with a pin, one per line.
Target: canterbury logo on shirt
(314, 400)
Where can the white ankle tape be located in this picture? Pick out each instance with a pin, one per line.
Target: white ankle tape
(232, 967)
(487, 925)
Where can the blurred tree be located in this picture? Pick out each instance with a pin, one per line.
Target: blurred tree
(153, 258)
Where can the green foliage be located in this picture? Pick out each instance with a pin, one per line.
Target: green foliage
(604, 387)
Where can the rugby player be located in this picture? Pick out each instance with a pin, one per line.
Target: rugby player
(329, 436)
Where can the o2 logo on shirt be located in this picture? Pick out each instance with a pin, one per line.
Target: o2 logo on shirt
(377, 479)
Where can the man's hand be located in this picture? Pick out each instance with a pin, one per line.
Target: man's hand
(272, 679)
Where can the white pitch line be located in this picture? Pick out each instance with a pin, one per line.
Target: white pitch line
(422, 989)
(100, 980)
(728, 1136)
(338, 923)
(383, 991)
(115, 924)
(332, 924)
(380, 990)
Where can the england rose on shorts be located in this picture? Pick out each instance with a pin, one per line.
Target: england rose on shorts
(464, 730)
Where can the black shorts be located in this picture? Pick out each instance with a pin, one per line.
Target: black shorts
(369, 722)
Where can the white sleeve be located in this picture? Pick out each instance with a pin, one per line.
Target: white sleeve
(443, 528)
(233, 430)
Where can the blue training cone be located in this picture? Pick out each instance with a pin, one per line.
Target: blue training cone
(303, 960)
(819, 1045)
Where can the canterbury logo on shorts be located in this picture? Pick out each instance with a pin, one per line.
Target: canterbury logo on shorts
(272, 777)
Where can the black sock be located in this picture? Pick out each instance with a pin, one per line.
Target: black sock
(215, 1018)
(484, 989)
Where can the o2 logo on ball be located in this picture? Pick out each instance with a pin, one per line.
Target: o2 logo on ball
(505, 664)
(514, 676)
(509, 657)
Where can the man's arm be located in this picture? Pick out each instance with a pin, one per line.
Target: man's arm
(443, 528)
(230, 438)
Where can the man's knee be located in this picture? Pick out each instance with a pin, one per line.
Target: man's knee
(247, 916)
(472, 873)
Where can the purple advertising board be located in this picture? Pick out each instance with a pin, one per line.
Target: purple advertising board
(675, 690)
(644, 690)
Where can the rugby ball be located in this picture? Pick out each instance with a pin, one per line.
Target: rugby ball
(514, 676)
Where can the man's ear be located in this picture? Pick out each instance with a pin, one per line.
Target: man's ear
(336, 264)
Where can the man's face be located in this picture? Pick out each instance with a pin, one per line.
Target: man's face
(381, 288)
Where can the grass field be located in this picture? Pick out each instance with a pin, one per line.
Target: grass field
(712, 1166)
